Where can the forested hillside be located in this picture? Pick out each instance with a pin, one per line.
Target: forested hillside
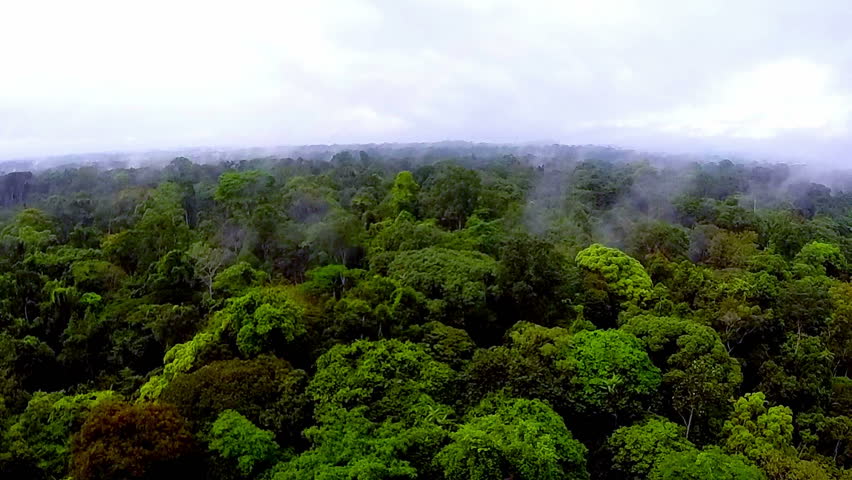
(449, 313)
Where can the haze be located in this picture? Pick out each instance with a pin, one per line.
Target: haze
(770, 78)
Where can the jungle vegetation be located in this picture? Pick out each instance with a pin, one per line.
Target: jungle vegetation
(435, 314)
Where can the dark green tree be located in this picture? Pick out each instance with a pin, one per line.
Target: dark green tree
(451, 194)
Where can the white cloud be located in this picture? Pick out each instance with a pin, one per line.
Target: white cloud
(768, 100)
(98, 74)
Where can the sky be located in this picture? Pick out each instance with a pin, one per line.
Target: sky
(771, 78)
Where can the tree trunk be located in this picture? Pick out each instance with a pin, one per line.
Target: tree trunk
(688, 422)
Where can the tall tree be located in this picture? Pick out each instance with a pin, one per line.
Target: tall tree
(513, 438)
(450, 195)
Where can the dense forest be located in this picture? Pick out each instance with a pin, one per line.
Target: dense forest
(456, 312)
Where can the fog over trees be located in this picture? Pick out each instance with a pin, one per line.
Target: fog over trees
(432, 311)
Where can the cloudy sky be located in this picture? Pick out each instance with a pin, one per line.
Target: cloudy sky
(770, 77)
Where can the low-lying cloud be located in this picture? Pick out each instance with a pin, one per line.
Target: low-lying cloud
(766, 77)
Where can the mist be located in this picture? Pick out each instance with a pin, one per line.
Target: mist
(766, 79)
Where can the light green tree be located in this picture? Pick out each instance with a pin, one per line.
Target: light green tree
(162, 225)
(513, 438)
(41, 434)
(386, 375)
(638, 447)
(623, 274)
(451, 194)
(609, 372)
(754, 430)
(241, 192)
(403, 194)
(818, 258)
(235, 438)
(261, 318)
(347, 445)
(708, 464)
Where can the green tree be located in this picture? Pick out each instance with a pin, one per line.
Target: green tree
(31, 228)
(799, 375)
(208, 262)
(28, 360)
(241, 192)
(181, 358)
(170, 324)
(533, 280)
(331, 280)
(513, 438)
(785, 232)
(171, 279)
(162, 225)
(403, 194)
(401, 233)
(779, 466)
(598, 184)
(754, 430)
(41, 434)
(266, 390)
(236, 279)
(838, 332)
(818, 258)
(658, 238)
(526, 366)
(262, 318)
(720, 248)
(765, 436)
(337, 238)
(609, 373)
(456, 283)
(385, 375)
(349, 445)
(446, 344)
(624, 275)
(638, 447)
(699, 376)
(805, 305)
(450, 195)
(96, 275)
(708, 464)
(827, 435)
(234, 437)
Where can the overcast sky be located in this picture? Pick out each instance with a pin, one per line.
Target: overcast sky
(765, 76)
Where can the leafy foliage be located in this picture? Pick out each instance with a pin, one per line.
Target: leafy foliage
(513, 438)
(261, 318)
(707, 464)
(41, 435)
(624, 275)
(456, 282)
(609, 372)
(384, 375)
(266, 390)
(637, 449)
(348, 445)
(439, 311)
(234, 437)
